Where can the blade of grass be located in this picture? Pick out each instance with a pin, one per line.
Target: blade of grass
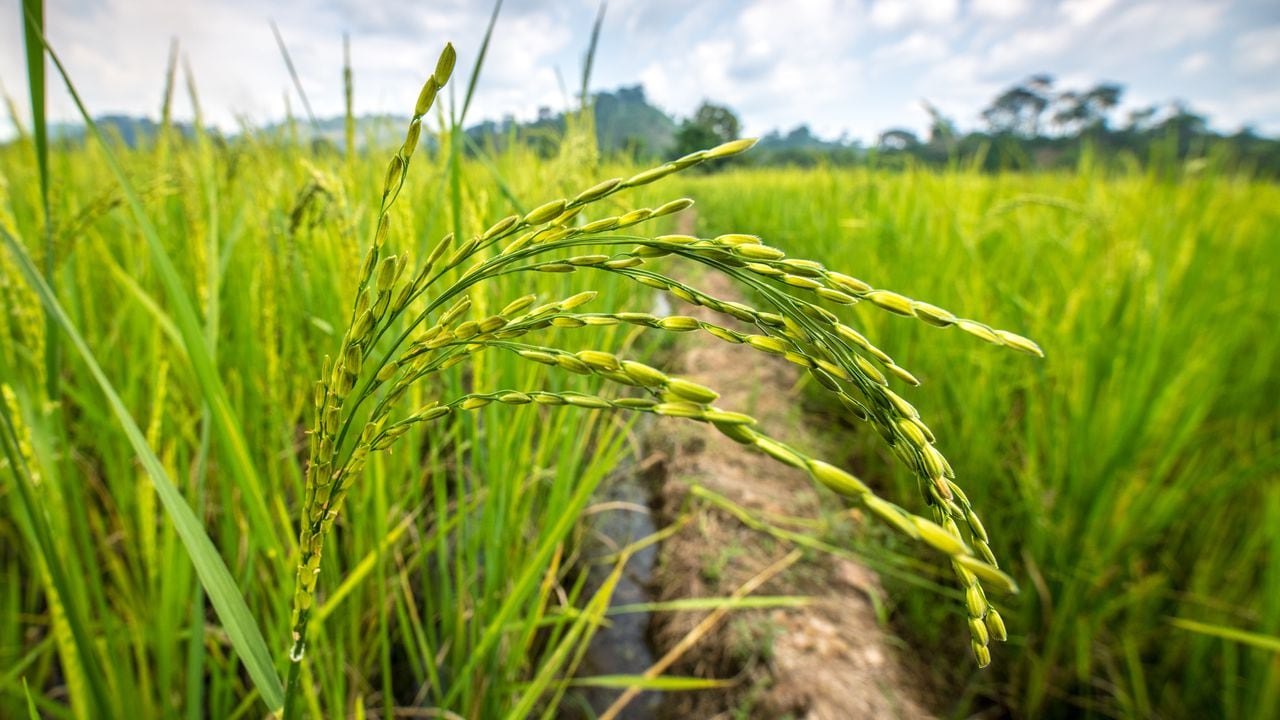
(348, 91)
(78, 657)
(225, 595)
(1257, 640)
(713, 603)
(589, 61)
(641, 682)
(31, 704)
(33, 32)
(699, 630)
(195, 646)
(166, 105)
(475, 69)
(293, 74)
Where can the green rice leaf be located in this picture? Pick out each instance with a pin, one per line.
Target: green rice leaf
(1244, 637)
(223, 592)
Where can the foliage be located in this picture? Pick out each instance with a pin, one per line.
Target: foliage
(710, 125)
(222, 317)
(1133, 477)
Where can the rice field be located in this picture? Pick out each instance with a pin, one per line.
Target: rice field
(165, 329)
(1129, 480)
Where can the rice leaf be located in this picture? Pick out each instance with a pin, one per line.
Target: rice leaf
(223, 592)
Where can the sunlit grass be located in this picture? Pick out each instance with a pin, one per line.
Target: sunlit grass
(1130, 478)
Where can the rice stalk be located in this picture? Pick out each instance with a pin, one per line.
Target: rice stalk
(404, 326)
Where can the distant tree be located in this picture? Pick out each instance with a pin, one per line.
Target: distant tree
(942, 131)
(711, 125)
(898, 139)
(1077, 112)
(1140, 119)
(1017, 110)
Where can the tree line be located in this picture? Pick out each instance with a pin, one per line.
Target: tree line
(1032, 125)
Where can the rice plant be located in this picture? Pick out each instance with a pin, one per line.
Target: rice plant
(404, 328)
(408, 364)
(1130, 481)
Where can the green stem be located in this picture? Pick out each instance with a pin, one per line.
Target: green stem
(290, 711)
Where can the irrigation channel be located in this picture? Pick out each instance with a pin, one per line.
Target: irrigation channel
(622, 647)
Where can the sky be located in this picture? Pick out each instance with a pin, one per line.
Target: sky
(848, 68)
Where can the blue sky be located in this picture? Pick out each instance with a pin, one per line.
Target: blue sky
(850, 67)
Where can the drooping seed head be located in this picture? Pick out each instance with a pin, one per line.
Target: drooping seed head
(601, 225)
(411, 139)
(837, 479)
(555, 267)
(500, 227)
(651, 175)
(981, 654)
(938, 537)
(803, 283)
(988, 573)
(891, 514)
(638, 215)
(680, 409)
(1017, 342)
(975, 601)
(644, 374)
(597, 191)
(581, 298)
(475, 403)
(601, 360)
(892, 301)
(624, 262)
(730, 148)
(737, 432)
(672, 207)
(426, 97)
(768, 343)
(679, 323)
(780, 452)
(850, 284)
(518, 305)
(444, 65)
(587, 401)
(758, 252)
(492, 324)
(934, 315)
(456, 311)
(545, 212)
(979, 330)
(902, 374)
(995, 624)
(538, 356)
(726, 417)
(386, 274)
(691, 159)
(835, 296)
(395, 172)
(691, 391)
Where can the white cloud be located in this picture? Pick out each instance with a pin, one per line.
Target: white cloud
(1083, 12)
(1259, 51)
(1027, 49)
(898, 13)
(1195, 62)
(918, 47)
(835, 64)
(1000, 9)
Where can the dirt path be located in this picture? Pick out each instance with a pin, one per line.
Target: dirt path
(827, 660)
